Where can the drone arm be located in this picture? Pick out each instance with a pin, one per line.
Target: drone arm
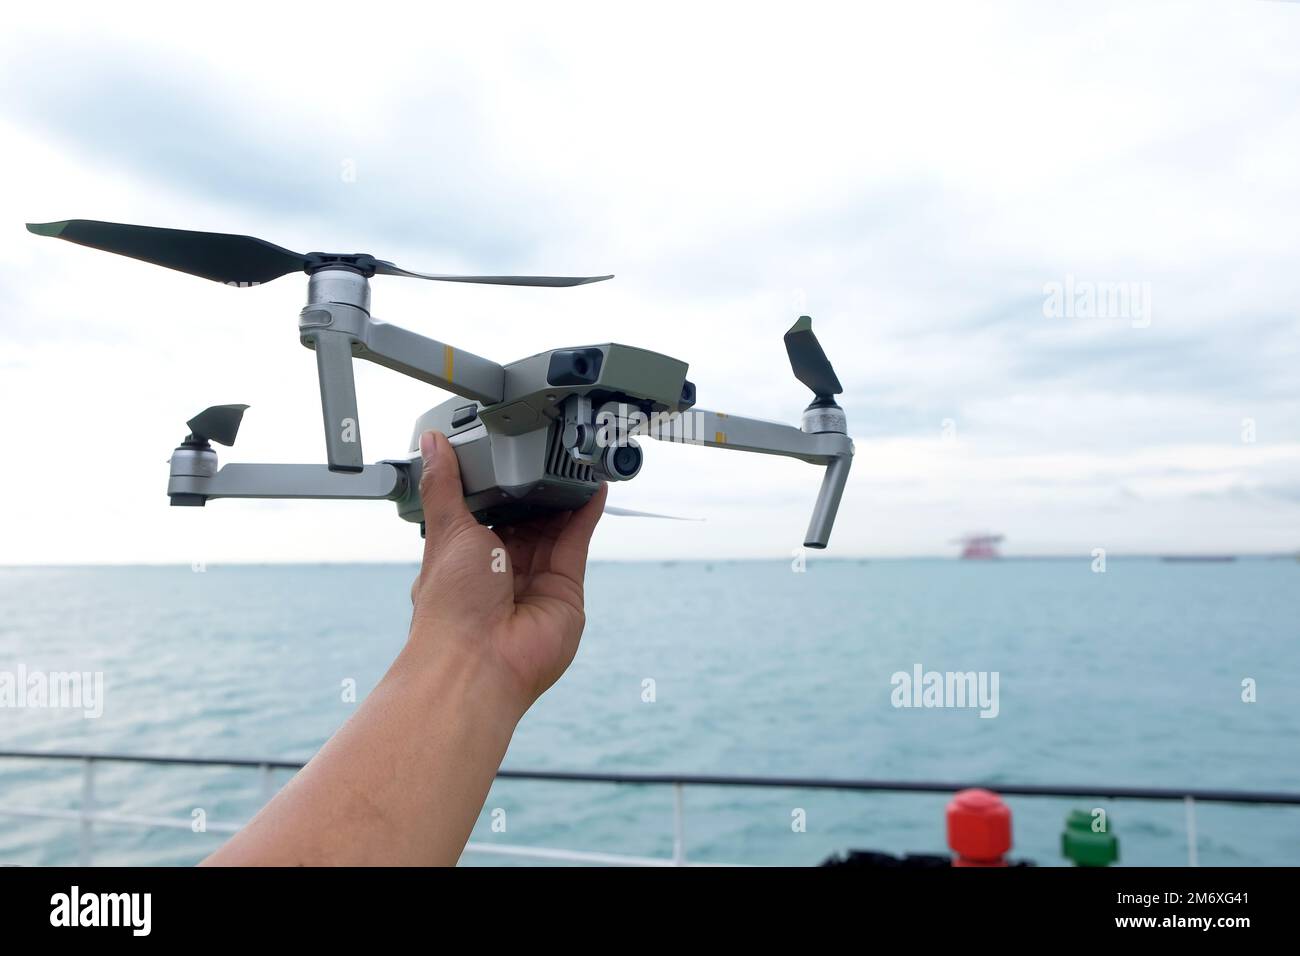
(383, 481)
(434, 362)
(339, 331)
(719, 430)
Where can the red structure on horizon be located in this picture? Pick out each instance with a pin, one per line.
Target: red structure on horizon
(980, 546)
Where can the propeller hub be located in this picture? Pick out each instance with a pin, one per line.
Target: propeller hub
(358, 262)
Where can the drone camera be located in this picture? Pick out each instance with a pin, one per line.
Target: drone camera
(619, 462)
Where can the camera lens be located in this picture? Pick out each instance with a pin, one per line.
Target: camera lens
(627, 460)
(620, 462)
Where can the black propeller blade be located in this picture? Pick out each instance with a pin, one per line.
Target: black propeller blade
(808, 361)
(555, 282)
(245, 260)
(236, 260)
(219, 423)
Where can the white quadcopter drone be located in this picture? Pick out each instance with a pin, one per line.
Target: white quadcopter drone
(537, 435)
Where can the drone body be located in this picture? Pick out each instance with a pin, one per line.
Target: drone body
(532, 436)
(515, 456)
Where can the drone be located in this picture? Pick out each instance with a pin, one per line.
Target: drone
(534, 436)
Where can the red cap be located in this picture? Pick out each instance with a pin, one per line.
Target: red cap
(979, 828)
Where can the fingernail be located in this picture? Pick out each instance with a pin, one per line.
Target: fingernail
(428, 446)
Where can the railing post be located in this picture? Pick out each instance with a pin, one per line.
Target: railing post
(267, 781)
(1189, 805)
(679, 827)
(86, 845)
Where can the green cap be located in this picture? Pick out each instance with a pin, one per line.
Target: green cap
(1083, 845)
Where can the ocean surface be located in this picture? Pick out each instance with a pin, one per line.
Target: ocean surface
(1132, 677)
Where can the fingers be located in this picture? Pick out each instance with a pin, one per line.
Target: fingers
(568, 554)
(441, 493)
(520, 548)
(546, 531)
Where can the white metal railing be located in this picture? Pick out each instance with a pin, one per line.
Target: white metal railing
(89, 814)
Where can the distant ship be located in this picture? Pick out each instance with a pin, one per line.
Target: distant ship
(981, 546)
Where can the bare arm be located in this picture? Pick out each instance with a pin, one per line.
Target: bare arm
(403, 781)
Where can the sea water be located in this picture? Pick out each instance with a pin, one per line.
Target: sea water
(1149, 674)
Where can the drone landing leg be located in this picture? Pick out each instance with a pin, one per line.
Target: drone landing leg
(828, 502)
(338, 399)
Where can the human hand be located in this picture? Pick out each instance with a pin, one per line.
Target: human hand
(508, 602)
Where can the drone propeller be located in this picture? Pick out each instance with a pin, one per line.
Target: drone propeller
(553, 282)
(245, 260)
(809, 362)
(218, 423)
(632, 513)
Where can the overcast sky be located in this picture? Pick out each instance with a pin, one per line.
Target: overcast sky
(916, 176)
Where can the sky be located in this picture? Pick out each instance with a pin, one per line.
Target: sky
(925, 180)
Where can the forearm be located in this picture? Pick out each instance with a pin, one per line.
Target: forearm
(403, 781)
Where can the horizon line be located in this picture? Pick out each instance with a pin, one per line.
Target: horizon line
(1054, 556)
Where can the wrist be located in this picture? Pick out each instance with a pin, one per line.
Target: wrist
(463, 678)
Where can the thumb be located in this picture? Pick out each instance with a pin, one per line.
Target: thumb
(441, 492)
